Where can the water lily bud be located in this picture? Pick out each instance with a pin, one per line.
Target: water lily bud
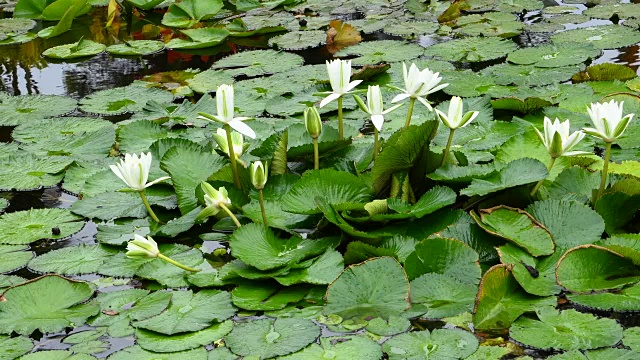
(258, 175)
(141, 247)
(557, 140)
(608, 120)
(237, 142)
(313, 122)
(454, 118)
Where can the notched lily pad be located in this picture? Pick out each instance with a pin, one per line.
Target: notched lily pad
(299, 40)
(81, 49)
(136, 48)
(25, 227)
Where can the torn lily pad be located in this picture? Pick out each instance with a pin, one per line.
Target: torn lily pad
(299, 40)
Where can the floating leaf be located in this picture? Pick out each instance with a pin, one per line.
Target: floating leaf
(471, 49)
(602, 37)
(516, 226)
(439, 295)
(83, 48)
(13, 348)
(411, 28)
(136, 48)
(529, 75)
(200, 38)
(448, 257)
(15, 110)
(536, 275)
(515, 173)
(627, 299)
(299, 40)
(340, 347)
(13, 257)
(47, 303)
(438, 344)
(589, 268)
(24, 227)
(267, 338)
(258, 62)
(552, 56)
(605, 72)
(387, 51)
(153, 341)
(266, 297)
(571, 330)
(116, 101)
(11, 27)
(76, 260)
(168, 274)
(189, 12)
(377, 287)
(501, 300)
(138, 353)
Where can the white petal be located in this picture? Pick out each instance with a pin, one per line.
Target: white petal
(378, 121)
(352, 85)
(329, 99)
(400, 97)
(242, 128)
(425, 103)
(157, 181)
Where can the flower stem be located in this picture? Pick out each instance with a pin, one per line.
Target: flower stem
(233, 217)
(143, 196)
(375, 143)
(605, 169)
(262, 209)
(445, 153)
(537, 187)
(171, 261)
(412, 102)
(340, 123)
(232, 157)
(316, 154)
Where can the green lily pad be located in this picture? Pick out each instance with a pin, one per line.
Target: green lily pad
(438, 344)
(189, 12)
(602, 37)
(552, 56)
(377, 287)
(168, 274)
(632, 338)
(138, 353)
(136, 48)
(83, 48)
(116, 101)
(153, 341)
(517, 172)
(501, 300)
(518, 227)
(56, 355)
(266, 297)
(48, 303)
(190, 312)
(339, 347)
(566, 330)
(299, 40)
(111, 205)
(76, 260)
(206, 82)
(432, 201)
(258, 62)
(258, 246)
(15, 110)
(589, 268)
(471, 49)
(536, 275)
(4, 203)
(11, 27)
(267, 338)
(25, 227)
(381, 51)
(12, 348)
(439, 296)
(606, 11)
(449, 257)
(342, 190)
(323, 271)
(13, 257)
(529, 75)
(199, 38)
(627, 299)
(411, 28)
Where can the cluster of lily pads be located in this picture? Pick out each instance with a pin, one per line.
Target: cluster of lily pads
(283, 206)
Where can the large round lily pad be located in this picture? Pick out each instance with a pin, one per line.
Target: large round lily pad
(449, 257)
(24, 227)
(81, 49)
(438, 344)
(374, 52)
(339, 347)
(258, 62)
(471, 49)
(552, 56)
(15, 110)
(13, 257)
(602, 37)
(136, 48)
(48, 303)
(565, 330)
(628, 299)
(299, 40)
(378, 288)
(13, 27)
(267, 338)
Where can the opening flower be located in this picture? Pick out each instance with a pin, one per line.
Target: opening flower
(418, 84)
(454, 118)
(259, 175)
(339, 76)
(557, 140)
(375, 106)
(608, 120)
(236, 139)
(141, 247)
(226, 112)
(134, 171)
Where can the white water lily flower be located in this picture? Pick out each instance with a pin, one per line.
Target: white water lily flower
(141, 247)
(259, 174)
(375, 106)
(454, 118)
(236, 139)
(418, 84)
(608, 120)
(134, 171)
(557, 140)
(226, 112)
(213, 198)
(339, 76)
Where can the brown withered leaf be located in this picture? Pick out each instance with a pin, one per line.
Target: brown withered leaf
(341, 35)
(454, 11)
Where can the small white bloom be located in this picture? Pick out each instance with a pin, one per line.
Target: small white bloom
(259, 174)
(213, 198)
(375, 106)
(226, 112)
(134, 171)
(557, 140)
(608, 120)
(418, 84)
(454, 118)
(236, 139)
(141, 247)
(339, 76)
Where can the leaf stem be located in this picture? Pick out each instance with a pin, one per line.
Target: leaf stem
(412, 102)
(445, 153)
(232, 157)
(375, 143)
(262, 209)
(173, 262)
(605, 170)
(537, 187)
(316, 154)
(340, 122)
(233, 217)
(143, 196)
